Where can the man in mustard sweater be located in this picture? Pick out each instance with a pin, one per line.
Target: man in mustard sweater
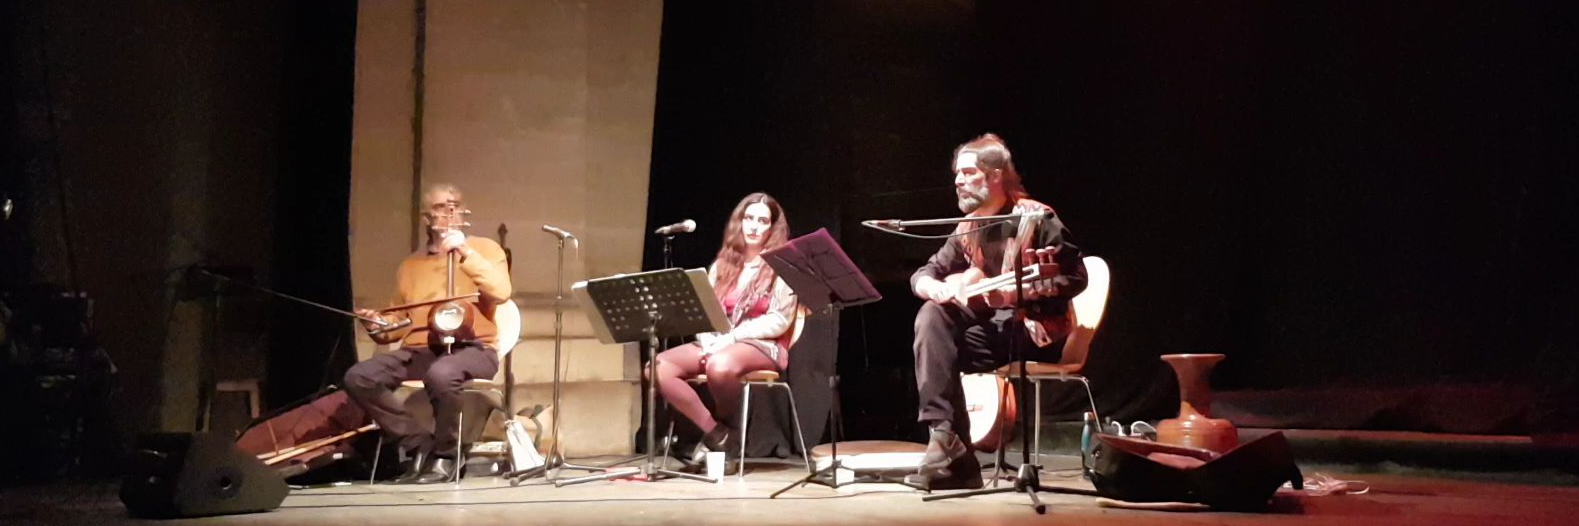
(424, 354)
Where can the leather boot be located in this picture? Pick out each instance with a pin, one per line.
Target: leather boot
(439, 470)
(412, 467)
(943, 448)
(718, 439)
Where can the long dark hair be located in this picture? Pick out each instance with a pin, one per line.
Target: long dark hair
(992, 153)
(732, 256)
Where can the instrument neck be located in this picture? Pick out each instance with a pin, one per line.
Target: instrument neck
(449, 269)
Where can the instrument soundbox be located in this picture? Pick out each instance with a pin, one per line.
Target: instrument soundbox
(991, 407)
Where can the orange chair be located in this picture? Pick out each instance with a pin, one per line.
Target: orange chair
(1086, 312)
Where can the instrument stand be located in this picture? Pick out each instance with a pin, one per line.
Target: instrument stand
(650, 305)
(554, 461)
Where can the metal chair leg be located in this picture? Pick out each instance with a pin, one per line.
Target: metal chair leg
(376, 454)
(795, 422)
(668, 440)
(460, 445)
(1091, 398)
(745, 421)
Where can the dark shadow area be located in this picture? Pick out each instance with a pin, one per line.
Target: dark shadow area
(1365, 196)
(143, 141)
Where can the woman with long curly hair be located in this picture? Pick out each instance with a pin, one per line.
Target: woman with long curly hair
(761, 310)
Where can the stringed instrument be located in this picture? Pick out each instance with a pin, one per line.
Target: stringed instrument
(991, 408)
(454, 313)
(990, 400)
(974, 294)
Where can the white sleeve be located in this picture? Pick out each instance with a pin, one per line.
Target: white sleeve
(773, 323)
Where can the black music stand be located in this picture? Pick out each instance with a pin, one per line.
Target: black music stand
(647, 306)
(825, 280)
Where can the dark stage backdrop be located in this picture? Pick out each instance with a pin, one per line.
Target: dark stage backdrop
(143, 139)
(1367, 207)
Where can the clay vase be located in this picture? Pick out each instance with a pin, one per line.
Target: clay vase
(1195, 426)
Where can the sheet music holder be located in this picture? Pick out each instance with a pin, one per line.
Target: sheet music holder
(646, 306)
(820, 273)
(621, 306)
(825, 280)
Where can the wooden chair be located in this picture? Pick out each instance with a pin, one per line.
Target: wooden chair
(765, 379)
(1086, 314)
(771, 380)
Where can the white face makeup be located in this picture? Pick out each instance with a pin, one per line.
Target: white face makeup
(970, 183)
(755, 223)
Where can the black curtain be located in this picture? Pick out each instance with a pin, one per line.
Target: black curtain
(308, 347)
(1365, 198)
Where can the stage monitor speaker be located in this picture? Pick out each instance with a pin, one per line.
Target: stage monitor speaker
(1243, 479)
(173, 475)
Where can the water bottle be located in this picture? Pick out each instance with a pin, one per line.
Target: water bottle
(1089, 428)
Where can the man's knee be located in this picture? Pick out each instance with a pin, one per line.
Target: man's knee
(360, 377)
(931, 315)
(442, 379)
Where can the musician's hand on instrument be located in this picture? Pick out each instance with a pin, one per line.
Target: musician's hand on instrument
(938, 291)
(1039, 334)
(371, 319)
(1044, 258)
(970, 276)
(452, 240)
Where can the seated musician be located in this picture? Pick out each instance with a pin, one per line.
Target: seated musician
(761, 309)
(955, 334)
(424, 354)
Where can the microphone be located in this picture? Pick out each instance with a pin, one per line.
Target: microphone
(558, 232)
(682, 227)
(885, 224)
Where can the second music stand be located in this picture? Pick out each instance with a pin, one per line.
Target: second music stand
(825, 280)
(647, 306)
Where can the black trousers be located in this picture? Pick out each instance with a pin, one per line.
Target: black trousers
(951, 340)
(372, 384)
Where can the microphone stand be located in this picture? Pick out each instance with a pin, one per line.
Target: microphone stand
(1027, 479)
(890, 225)
(554, 461)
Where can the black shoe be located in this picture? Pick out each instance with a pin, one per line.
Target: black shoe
(716, 440)
(440, 469)
(963, 473)
(942, 450)
(412, 468)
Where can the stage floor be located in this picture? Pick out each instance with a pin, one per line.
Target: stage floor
(1393, 500)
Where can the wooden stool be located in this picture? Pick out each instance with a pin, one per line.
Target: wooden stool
(245, 385)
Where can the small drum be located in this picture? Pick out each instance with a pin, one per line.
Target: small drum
(872, 456)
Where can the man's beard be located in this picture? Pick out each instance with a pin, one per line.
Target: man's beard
(970, 201)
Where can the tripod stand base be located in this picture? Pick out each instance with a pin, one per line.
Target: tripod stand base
(651, 476)
(829, 476)
(1026, 481)
(549, 470)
